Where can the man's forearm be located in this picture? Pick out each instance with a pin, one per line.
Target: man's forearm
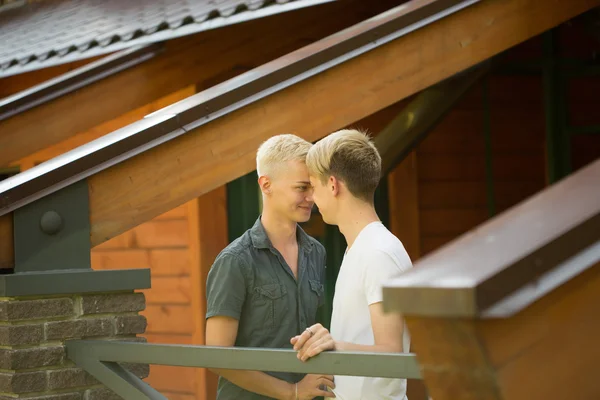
(258, 382)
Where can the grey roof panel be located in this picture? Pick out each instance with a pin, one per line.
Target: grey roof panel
(41, 34)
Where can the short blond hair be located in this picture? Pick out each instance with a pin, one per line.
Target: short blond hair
(351, 156)
(280, 149)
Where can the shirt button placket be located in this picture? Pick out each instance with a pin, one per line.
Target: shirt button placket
(301, 310)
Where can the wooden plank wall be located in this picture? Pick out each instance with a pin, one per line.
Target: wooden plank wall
(451, 160)
(179, 248)
(163, 245)
(584, 106)
(582, 94)
(439, 191)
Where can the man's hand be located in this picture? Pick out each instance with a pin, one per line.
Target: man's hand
(312, 341)
(312, 386)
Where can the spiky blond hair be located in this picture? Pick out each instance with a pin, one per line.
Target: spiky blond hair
(278, 150)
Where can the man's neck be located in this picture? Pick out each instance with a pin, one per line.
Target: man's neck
(353, 217)
(281, 231)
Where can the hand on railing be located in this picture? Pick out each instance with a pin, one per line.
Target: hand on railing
(312, 386)
(314, 340)
(102, 359)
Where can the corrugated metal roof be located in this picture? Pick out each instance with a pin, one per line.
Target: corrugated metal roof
(42, 34)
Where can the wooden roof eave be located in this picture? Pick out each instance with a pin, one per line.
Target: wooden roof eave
(202, 60)
(198, 110)
(76, 79)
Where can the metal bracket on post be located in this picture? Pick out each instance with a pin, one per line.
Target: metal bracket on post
(53, 233)
(52, 250)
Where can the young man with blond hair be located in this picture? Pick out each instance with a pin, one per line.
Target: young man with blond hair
(345, 169)
(267, 284)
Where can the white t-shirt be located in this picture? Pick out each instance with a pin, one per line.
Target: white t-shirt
(375, 256)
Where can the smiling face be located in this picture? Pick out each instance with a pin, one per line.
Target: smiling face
(289, 192)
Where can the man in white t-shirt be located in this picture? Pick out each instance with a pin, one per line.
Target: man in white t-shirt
(345, 169)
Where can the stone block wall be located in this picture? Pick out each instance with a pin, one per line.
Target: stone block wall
(33, 330)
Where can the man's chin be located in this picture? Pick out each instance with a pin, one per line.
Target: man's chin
(303, 215)
(325, 219)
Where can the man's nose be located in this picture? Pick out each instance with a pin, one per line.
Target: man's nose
(309, 195)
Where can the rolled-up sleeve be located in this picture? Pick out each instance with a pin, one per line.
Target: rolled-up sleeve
(226, 287)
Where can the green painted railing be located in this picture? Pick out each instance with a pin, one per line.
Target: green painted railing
(102, 360)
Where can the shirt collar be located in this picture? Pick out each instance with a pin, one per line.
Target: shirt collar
(260, 240)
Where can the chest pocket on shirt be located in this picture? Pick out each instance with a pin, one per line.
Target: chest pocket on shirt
(270, 303)
(318, 288)
(316, 299)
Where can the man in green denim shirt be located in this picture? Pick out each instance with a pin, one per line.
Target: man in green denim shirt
(267, 285)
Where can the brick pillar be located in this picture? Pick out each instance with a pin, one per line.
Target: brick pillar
(33, 363)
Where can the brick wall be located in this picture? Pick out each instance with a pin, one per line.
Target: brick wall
(33, 363)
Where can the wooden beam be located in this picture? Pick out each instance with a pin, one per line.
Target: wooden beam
(160, 179)
(17, 83)
(106, 127)
(207, 217)
(186, 61)
(548, 350)
(7, 255)
(25, 163)
(421, 115)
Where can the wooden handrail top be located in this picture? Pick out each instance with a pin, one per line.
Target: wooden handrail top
(508, 262)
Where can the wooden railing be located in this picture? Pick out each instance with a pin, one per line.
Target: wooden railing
(101, 359)
(509, 309)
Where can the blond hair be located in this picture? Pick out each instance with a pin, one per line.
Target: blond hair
(351, 157)
(280, 149)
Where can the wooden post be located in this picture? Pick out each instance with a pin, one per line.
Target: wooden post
(208, 236)
(508, 311)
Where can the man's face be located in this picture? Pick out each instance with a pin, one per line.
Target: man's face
(291, 193)
(323, 198)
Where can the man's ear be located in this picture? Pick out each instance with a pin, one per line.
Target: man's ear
(265, 185)
(333, 184)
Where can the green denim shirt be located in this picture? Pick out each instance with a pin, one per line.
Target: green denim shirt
(251, 281)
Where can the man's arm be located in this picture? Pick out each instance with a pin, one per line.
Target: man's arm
(222, 331)
(226, 291)
(387, 332)
(387, 328)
